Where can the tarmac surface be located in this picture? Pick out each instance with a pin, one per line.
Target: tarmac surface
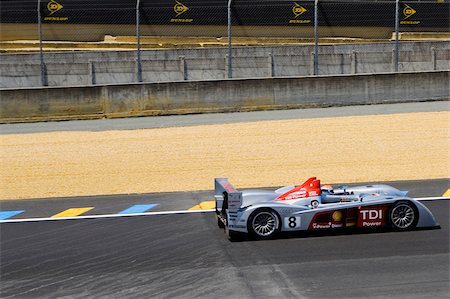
(188, 256)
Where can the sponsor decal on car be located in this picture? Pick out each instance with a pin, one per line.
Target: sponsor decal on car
(329, 219)
(350, 217)
(321, 225)
(299, 194)
(372, 216)
(326, 225)
(313, 193)
(308, 189)
(337, 216)
(336, 219)
(292, 222)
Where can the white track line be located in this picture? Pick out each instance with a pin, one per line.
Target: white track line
(152, 213)
(431, 198)
(107, 216)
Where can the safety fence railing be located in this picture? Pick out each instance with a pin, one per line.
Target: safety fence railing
(310, 37)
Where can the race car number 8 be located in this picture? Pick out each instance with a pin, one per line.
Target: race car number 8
(291, 222)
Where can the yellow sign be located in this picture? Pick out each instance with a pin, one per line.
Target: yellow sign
(408, 11)
(298, 10)
(337, 216)
(180, 8)
(53, 7)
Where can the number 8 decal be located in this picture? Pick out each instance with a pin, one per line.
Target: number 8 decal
(291, 222)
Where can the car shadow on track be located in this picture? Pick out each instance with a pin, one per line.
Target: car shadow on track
(242, 237)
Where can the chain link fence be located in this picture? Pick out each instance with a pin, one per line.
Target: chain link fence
(216, 39)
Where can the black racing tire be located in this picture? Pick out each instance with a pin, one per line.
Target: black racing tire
(232, 235)
(264, 224)
(403, 215)
(220, 223)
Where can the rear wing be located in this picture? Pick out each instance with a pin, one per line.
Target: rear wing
(226, 196)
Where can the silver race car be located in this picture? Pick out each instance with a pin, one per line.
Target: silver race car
(263, 214)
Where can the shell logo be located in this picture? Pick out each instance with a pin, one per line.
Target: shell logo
(337, 216)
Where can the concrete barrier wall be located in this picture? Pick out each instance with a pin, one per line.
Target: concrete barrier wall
(41, 104)
(67, 69)
(87, 102)
(200, 53)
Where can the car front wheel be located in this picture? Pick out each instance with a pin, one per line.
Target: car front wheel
(403, 216)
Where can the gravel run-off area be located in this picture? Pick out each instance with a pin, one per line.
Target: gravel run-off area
(265, 153)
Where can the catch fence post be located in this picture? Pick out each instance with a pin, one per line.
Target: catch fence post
(230, 70)
(138, 42)
(316, 38)
(397, 25)
(41, 54)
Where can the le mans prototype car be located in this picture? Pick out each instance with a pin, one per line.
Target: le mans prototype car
(311, 206)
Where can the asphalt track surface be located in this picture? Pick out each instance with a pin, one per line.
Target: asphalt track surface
(220, 118)
(188, 256)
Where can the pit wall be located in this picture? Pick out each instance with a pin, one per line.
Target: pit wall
(143, 99)
(116, 67)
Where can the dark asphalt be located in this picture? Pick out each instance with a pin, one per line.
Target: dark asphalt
(219, 118)
(187, 256)
(170, 201)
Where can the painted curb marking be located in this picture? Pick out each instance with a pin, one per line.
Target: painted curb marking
(138, 209)
(72, 212)
(8, 214)
(204, 205)
(447, 193)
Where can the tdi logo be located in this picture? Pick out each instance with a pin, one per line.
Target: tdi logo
(372, 214)
(371, 217)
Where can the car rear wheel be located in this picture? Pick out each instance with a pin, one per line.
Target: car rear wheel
(403, 216)
(263, 224)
